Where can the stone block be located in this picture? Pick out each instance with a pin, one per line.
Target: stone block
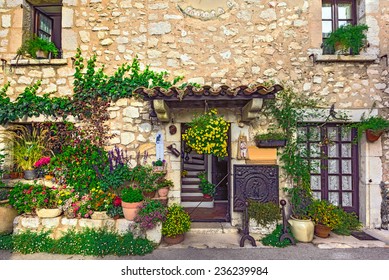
(70, 44)
(89, 223)
(69, 222)
(84, 36)
(159, 28)
(51, 222)
(123, 226)
(131, 112)
(6, 21)
(155, 234)
(30, 222)
(67, 17)
(127, 138)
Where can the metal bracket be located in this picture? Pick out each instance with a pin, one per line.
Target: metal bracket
(313, 57)
(386, 58)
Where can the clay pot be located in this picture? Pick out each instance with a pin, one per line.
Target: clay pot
(163, 192)
(130, 209)
(322, 231)
(207, 196)
(149, 194)
(373, 136)
(174, 240)
(7, 216)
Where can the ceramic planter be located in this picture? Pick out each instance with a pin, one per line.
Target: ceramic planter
(29, 174)
(7, 216)
(48, 213)
(302, 229)
(130, 209)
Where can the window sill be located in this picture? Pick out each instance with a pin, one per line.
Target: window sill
(345, 58)
(31, 61)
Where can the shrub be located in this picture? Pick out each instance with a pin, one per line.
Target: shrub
(264, 214)
(325, 213)
(177, 221)
(273, 239)
(150, 213)
(132, 195)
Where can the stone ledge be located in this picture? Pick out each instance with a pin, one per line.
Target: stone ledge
(345, 58)
(27, 62)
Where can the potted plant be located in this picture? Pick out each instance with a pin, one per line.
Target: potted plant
(302, 226)
(37, 47)
(207, 188)
(208, 134)
(373, 126)
(40, 166)
(163, 187)
(159, 165)
(100, 202)
(115, 210)
(131, 201)
(270, 139)
(143, 178)
(175, 226)
(150, 217)
(325, 216)
(347, 39)
(7, 213)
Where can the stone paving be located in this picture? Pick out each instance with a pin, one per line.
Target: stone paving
(221, 235)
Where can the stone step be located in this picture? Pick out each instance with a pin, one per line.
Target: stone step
(190, 167)
(202, 204)
(212, 228)
(190, 190)
(190, 181)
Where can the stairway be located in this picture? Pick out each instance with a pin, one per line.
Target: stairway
(191, 195)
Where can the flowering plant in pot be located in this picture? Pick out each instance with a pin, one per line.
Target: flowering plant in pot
(131, 201)
(163, 187)
(374, 126)
(115, 210)
(177, 223)
(324, 215)
(151, 213)
(41, 166)
(208, 134)
(100, 202)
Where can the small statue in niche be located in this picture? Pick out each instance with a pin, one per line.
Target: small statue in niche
(242, 145)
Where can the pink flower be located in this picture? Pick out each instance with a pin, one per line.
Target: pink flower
(42, 161)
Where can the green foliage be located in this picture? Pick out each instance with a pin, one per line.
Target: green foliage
(299, 199)
(6, 242)
(144, 178)
(273, 239)
(347, 222)
(115, 211)
(264, 214)
(26, 198)
(4, 194)
(323, 212)
(177, 221)
(80, 165)
(376, 124)
(132, 195)
(206, 186)
(270, 136)
(34, 44)
(348, 37)
(89, 242)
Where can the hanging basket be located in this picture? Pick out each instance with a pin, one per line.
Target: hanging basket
(372, 136)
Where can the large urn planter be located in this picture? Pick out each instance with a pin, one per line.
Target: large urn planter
(48, 213)
(130, 209)
(7, 216)
(322, 231)
(174, 240)
(302, 230)
(29, 174)
(372, 136)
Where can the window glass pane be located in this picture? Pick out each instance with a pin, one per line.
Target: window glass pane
(316, 195)
(326, 28)
(347, 199)
(333, 166)
(346, 134)
(346, 183)
(346, 150)
(346, 166)
(333, 197)
(315, 150)
(314, 134)
(302, 133)
(333, 183)
(315, 166)
(315, 182)
(344, 11)
(332, 133)
(326, 12)
(343, 22)
(333, 150)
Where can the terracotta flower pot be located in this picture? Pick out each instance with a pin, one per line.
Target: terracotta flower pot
(174, 240)
(322, 231)
(149, 194)
(130, 209)
(373, 136)
(163, 192)
(207, 196)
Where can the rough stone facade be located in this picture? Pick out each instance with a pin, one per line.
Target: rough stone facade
(253, 42)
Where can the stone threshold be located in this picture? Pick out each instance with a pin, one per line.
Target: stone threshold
(26, 62)
(345, 58)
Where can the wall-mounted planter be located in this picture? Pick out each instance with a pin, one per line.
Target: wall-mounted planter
(270, 143)
(372, 136)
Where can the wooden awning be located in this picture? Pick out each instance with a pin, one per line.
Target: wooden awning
(250, 99)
